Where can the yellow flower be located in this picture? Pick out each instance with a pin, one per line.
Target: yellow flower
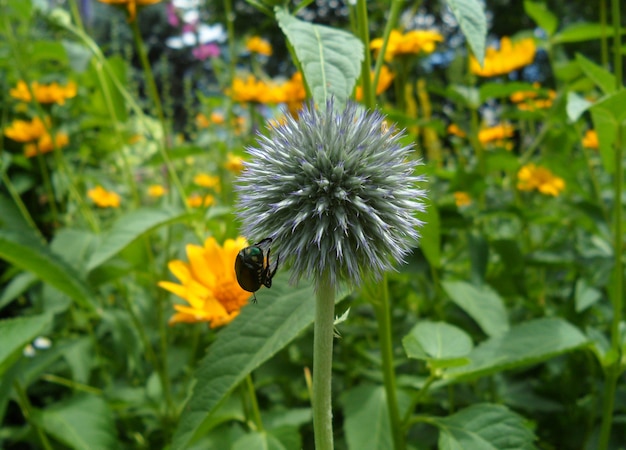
(156, 190)
(205, 180)
(25, 131)
(495, 133)
(591, 140)
(51, 93)
(411, 43)
(384, 81)
(196, 200)
(455, 130)
(217, 118)
(531, 177)
(131, 5)
(256, 44)
(208, 283)
(529, 101)
(103, 198)
(510, 57)
(462, 199)
(248, 90)
(234, 163)
(202, 121)
(45, 145)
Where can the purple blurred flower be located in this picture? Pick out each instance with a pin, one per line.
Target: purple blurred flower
(172, 17)
(206, 51)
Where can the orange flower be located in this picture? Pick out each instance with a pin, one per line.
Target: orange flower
(256, 44)
(45, 145)
(208, 283)
(462, 199)
(529, 101)
(234, 163)
(250, 90)
(531, 177)
(510, 57)
(384, 81)
(496, 133)
(196, 200)
(25, 131)
(131, 5)
(156, 190)
(411, 43)
(50, 93)
(103, 198)
(455, 130)
(202, 121)
(217, 118)
(591, 140)
(206, 180)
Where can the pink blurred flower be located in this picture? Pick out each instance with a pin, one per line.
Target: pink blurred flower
(206, 51)
(172, 17)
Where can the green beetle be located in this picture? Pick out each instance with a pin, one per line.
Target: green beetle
(253, 267)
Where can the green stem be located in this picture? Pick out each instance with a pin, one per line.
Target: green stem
(323, 362)
(26, 408)
(256, 413)
(364, 34)
(383, 315)
(394, 14)
(617, 292)
(604, 45)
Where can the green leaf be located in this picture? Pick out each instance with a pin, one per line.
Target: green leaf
(576, 106)
(542, 16)
(579, 32)
(484, 427)
(30, 254)
(481, 303)
(15, 334)
(84, 422)
(473, 23)
(259, 332)
(430, 242)
(436, 341)
(490, 91)
(48, 51)
(258, 439)
(607, 115)
(16, 287)
(529, 343)
(129, 228)
(330, 58)
(585, 295)
(365, 408)
(604, 79)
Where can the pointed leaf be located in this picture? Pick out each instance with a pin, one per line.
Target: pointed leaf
(15, 334)
(365, 408)
(436, 340)
(84, 422)
(31, 254)
(604, 79)
(542, 16)
(129, 228)
(259, 332)
(481, 303)
(330, 58)
(473, 23)
(607, 115)
(484, 427)
(529, 343)
(430, 243)
(581, 31)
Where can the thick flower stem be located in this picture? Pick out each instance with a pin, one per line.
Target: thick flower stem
(322, 363)
(383, 315)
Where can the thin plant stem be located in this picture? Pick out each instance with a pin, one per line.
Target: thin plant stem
(256, 413)
(604, 45)
(614, 367)
(383, 315)
(26, 408)
(364, 34)
(323, 334)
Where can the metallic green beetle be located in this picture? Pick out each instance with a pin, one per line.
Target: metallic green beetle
(253, 267)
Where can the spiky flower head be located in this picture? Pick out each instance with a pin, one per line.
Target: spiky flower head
(335, 190)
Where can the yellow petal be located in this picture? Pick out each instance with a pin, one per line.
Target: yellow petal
(199, 267)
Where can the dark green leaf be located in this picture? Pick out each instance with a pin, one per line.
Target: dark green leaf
(602, 78)
(365, 408)
(579, 32)
(436, 340)
(542, 16)
(430, 241)
(16, 333)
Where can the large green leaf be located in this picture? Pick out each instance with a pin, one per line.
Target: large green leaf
(529, 343)
(602, 78)
(437, 341)
(484, 427)
(15, 334)
(607, 115)
(542, 16)
(31, 254)
(473, 23)
(481, 303)
(259, 332)
(129, 228)
(365, 408)
(330, 58)
(579, 32)
(82, 423)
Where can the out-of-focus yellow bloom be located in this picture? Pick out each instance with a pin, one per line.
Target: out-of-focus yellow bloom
(495, 133)
(234, 163)
(156, 190)
(44, 144)
(202, 121)
(250, 90)
(206, 180)
(217, 118)
(455, 130)
(208, 283)
(462, 199)
(103, 198)
(44, 93)
(25, 130)
(131, 6)
(384, 81)
(293, 94)
(410, 43)
(531, 100)
(591, 140)
(510, 57)
(531, 177)
(256, 44)
(196, 200)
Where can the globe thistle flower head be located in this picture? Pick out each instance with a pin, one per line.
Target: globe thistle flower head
(336, 192)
